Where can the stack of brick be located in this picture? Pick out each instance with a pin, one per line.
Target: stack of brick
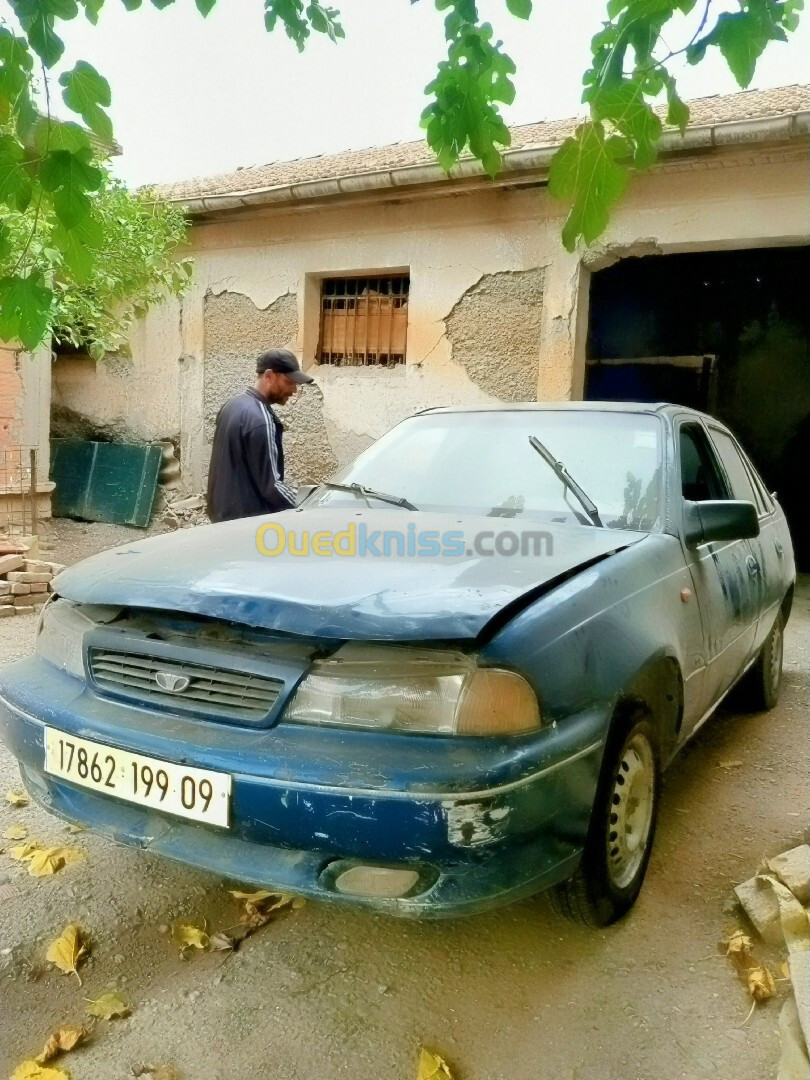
(25, 584)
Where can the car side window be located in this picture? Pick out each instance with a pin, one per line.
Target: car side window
(701, 478)
(738, 476)
(759, 486)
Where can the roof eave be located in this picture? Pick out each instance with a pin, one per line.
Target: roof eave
(531, 162)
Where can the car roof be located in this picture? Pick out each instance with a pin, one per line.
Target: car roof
(569, 406)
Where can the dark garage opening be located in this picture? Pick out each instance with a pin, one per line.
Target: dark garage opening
(727, 332)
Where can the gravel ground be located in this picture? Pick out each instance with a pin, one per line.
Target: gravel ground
(328, 992)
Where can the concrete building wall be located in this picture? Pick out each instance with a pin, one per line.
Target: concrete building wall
(125, 398)
(497, 309)
(476, 265)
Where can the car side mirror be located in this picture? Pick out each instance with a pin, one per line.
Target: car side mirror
(718, 519)
(304, 492)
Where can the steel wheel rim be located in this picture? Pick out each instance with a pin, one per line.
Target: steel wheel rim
(631, 811)
(775, 666)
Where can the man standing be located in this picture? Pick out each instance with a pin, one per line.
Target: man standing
(246, 476)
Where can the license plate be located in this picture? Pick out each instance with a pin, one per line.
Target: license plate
(200, 794)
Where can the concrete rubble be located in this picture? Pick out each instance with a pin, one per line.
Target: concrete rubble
(186, 513)
(776, 901)
(792, 868)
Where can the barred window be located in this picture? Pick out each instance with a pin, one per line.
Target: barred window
(364, 320)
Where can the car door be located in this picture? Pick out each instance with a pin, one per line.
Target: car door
(768, 548)
(725, 574)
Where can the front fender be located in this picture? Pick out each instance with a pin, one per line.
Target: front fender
(595, 638)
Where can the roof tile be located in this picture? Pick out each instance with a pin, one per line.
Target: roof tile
(750, 104)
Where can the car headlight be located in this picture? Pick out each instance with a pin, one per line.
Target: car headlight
(391, 688)
(61, 631)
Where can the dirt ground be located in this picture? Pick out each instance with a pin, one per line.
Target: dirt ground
(328, 992)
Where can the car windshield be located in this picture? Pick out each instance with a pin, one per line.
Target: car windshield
(483, 463)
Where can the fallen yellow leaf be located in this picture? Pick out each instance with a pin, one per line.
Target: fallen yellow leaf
(46, 862)
(31, 1070)
(108, 1006)
(760, 984)
(24, 851)
(17, 797)
(61, 1041)
(189, 937)
(75, 828)
(738, 950)
(67, 950)
(15, 832)
(432, 1067)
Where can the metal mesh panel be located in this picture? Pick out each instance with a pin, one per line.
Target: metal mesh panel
(18, 490)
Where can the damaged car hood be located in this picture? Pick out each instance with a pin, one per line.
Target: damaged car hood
(218, 571)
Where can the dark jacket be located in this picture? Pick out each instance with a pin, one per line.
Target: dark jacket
(246, 476)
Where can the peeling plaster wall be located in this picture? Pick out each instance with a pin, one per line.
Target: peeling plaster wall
(494, 333)
(236, 331)
(490, 285)
(251, 273)
(125, 398)
(308, 452)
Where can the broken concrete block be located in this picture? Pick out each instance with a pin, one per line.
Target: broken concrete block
(39, 588)
(799, 968)
(20, 588)
(29, 610)
(193, 502)
(6, 611)
(793, 869)
(25, 577)
(10, 563)
(793, 1061)
(37, 566)
(23, 600)
(762, 908)
(5, 588)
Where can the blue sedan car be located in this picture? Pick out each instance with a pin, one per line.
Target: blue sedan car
(449, 678)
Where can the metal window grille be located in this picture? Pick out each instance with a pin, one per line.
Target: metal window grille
(364, 320)
(18, 491)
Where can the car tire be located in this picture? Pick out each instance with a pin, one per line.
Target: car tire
(758, 690)
(620, 836)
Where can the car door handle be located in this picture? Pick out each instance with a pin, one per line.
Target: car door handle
(753, 566)
(780, 551)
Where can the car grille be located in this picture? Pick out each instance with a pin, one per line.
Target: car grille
(211, 691)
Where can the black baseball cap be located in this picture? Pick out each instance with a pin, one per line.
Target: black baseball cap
(283, 361)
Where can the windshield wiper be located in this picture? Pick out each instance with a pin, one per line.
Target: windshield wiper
(568, 481)
(369, 493)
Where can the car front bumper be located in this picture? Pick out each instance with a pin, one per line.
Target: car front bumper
(478, 836)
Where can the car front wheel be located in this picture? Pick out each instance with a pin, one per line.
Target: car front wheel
(620, 836)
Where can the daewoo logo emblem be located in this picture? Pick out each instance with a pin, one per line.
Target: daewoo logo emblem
(172, 684)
